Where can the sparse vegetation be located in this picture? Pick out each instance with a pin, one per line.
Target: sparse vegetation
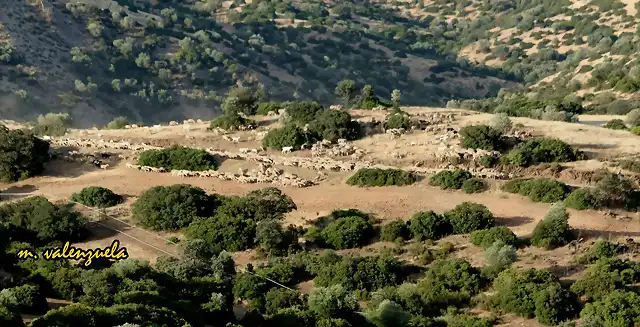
(617, 124)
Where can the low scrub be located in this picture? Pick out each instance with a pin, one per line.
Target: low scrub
(541, 150)
(170, 208)
(600, 250)
(398, 119)
(484, 238)
(481, 137)
(289, 135)
(381, 177)
(347, 233)
(230, 121)
(583, 199)
(178, 158)
(429, 225)
(474, 185)
(450, 179)
(468, 217)
(538, 190)
(616, 124)
(96, 196)
(22, 154)
(553, 230)
(394, 230)
(118, 123)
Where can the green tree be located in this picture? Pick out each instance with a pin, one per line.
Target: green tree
(468, 217)
(553, 230)
(429, 225)
(346, 90)
(332, 302)
(22, 155)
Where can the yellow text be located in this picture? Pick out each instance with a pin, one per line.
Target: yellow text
(114, 251)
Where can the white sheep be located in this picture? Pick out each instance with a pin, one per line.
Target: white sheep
(235, 139)
(243, 150)
(287, 149)
(104, 166)
(186, 127)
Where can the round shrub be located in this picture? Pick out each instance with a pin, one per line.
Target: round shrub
(484, 238)
(487, 161)
(381, 177)
(635, 130)
(230, 121)
(347, 233)
(553, 230)
(303, 112)
(118, 123)
(474, 185)
(23, 155)
(333, 125)
(481, 137)
(429, 225)
(540, 150)
(468, 217)
(287, 135)
(394, 230)
(171, 208)
(583, 199)
(96, 196)
(450, 179)
(178, 158)
(617, 124)
(397, 120)
(223, 232)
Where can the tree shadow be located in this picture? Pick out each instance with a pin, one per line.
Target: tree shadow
(59, 168)
(598, 146)
(17, 192)
(592, 233)
(99, 231)
(567, 270)
(513, 221)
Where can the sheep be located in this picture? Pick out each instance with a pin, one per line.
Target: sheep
(287, 149)
(235, 139)
(186, 127)
(243, 150)
(157, 126)
(173, 123)
(226, 138)
(104, 166)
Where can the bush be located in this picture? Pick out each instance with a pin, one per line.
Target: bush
(178, 158)
(613, 190)
(364, 273)
(21, 154)
(553, 230)
(224, 232)
(261, 204)
(633, 118)
(303, 112)
(541, 150)
(481, 137)
(487, 161)
(429, 226)
(265, 107)
(617, 124)
(538, 190)
(394, 230)
(36, 220)
(635, 130)
(96, 196)
(230, 121)
(287, 135)
(450, 179)
(397, 120)
(455, 275)
(530, 293)
(583, 199)
(484, 238)
(332, 302)
(499, 256)
(502, 123)
(26, 298)
(617, 309)
(242, 100)
(474, 185)
(381, 177)
(171, 208)
(52, 124)
(118, 123)
(347, 233)
(333, 125)
(600, 250)
(468, 217)
(607, 275)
